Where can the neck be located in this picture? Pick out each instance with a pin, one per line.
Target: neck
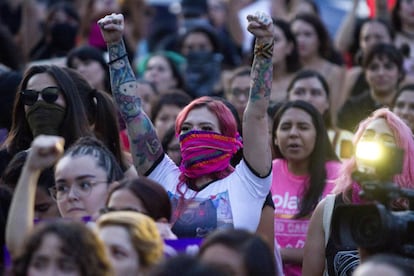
(298, 167)
(313, 61)
(383, 98)
(202, 182)
(279, 70)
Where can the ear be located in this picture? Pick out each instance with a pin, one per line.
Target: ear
(275, 142)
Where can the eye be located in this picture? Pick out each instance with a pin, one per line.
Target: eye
(185, 128)
(299, 91)
(62, 188)
(118, 253)
(42, 208)
(304, 127)
(316, 92)
(207, 128)
(85, 185)
(39, 263)
(399, 105)
(373, 67)
(285, 126)
(163, 118)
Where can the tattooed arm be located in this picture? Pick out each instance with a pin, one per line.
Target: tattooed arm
(145, 145)
(256, 150)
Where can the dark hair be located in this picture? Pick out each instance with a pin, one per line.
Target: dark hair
(292, 60)
(258, 258)
(11, 174)
(356, 45)
(75, 123)
(384, 50)
(175, 98)
(326, 49)
(322, 152)
(77, 242)
(102, 114)
(395, 16)
(152, 195)
(87, 53)
(206, 30)
(382, 21)
(105, 159)
(187, 265)
(9, 81)
(306, 74)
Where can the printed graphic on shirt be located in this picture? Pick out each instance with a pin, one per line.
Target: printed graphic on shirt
(199, 216)
(345, 262)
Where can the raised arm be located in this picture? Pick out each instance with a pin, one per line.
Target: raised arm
(346, 29)
(44, 152)
(145, 145)
(256, 150)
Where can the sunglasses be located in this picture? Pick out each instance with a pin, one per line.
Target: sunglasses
(49, 95)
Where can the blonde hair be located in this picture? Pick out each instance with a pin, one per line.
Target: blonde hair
(143, 233)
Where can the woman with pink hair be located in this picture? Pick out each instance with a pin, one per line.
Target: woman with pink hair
(207, 193)
(383, 127)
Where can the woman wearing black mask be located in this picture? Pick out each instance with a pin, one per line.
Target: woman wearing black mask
(60, 31)
(202, 49)
(47, 102)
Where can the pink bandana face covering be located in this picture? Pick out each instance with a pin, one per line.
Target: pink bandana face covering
(205, 152)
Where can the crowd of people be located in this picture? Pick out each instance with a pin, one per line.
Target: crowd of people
(130, 128)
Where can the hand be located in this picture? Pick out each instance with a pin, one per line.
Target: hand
(45, 151)
(260, 25)
(112, 27)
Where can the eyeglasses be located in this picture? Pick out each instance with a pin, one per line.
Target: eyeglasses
(81, 188)
(49, 95)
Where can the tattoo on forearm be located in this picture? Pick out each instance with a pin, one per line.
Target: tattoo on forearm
(149, 146)
(145, 145)
(129, 106)
(262, 79)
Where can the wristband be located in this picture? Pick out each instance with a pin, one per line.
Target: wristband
(117, 59)
(264, 50)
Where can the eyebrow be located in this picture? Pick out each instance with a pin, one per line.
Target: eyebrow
(81, 177)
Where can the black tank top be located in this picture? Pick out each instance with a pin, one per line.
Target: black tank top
(340, 259)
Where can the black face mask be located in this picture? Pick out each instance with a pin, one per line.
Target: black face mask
(45, 118)
(203, 72)
(63, 36)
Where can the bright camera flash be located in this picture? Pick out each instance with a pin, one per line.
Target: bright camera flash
(369, 151)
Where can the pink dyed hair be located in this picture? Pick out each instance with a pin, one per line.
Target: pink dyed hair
(228, 125)
(404, 139)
